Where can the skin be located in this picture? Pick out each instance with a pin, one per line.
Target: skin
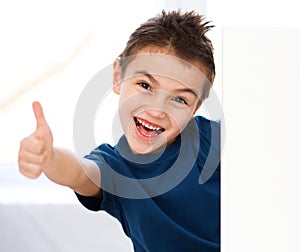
(37, 154)
(149, 94)
(146, 92)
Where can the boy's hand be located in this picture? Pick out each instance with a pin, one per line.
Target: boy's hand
(36, 151)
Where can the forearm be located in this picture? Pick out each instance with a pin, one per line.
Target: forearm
(80, 174)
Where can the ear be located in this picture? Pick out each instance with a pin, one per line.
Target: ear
(116, 76)
(197, 107)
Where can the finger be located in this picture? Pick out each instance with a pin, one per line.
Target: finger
(28, 157)
(30, 170)
(32, 144)
(30, 175)
(39, 115)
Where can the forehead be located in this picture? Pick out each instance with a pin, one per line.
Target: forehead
(166, 65)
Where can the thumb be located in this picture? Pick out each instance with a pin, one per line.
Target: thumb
(39, 115)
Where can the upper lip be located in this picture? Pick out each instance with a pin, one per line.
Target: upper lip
(148, 124)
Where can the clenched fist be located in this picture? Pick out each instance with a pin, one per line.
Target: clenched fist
(36, 150)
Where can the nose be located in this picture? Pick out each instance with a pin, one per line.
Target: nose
(156, 113)
(157, 106)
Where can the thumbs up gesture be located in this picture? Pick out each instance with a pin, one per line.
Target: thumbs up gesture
(36, 150)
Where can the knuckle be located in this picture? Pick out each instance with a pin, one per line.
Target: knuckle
(30, 171)
(21, 154)
(39, 148)
(23, 143)
(21, 168)
(35, 175)
(30, 144)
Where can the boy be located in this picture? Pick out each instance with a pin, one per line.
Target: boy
(150, 180)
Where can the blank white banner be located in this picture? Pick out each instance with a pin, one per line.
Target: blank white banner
(261, 170)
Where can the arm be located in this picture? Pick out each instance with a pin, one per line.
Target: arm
(37, 155)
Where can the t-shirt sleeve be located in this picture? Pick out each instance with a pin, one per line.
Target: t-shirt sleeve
(108, 202)
(91, 203)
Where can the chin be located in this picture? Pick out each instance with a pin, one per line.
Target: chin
(148, 149)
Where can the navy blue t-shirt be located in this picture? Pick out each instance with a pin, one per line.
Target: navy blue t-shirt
(165, 201)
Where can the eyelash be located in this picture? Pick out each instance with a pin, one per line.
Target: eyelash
(146, 86)
(181, 100)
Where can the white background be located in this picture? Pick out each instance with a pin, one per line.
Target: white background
(51, 49)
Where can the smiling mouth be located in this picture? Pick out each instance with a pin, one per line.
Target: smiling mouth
(147, 129)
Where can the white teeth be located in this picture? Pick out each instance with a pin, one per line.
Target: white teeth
(146, 125)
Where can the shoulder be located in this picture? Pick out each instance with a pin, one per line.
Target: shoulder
(102, 150)
(206, 126)
(104, 154)
(209, 131)
(210, 142)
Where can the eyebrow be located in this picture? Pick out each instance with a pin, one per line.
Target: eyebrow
(180, 90)
(187, 90)
(149, 76)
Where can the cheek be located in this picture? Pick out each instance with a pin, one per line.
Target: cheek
(179, 119)
(130, 99)
(130, 105)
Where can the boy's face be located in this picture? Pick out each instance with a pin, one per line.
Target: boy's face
(159, 94)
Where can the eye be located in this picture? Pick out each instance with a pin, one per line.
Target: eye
(145, 85)
(180, 100)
